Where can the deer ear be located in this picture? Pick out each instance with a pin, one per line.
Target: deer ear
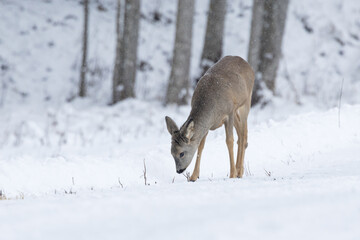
(188, 130)
(171, 125)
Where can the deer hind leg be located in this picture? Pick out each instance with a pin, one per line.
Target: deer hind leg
(229, 125)
(242, 132)
(196, 172)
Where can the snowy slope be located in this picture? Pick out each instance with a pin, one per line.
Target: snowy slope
(98, 147)
(303, 181)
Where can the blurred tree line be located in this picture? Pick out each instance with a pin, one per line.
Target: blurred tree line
(264, 50)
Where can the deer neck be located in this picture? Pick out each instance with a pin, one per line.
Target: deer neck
(202, 120)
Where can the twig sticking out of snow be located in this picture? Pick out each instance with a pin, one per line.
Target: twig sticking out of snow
(187, 176)
(121, 185)
(247, 169)
(340, 95)
(145, 178)
(70, 191)
(268, 173)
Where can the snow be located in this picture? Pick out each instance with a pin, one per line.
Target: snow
(74, 168)
(295, 208)
(303, 179)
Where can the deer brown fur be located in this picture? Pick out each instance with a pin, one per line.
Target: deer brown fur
(221, 97)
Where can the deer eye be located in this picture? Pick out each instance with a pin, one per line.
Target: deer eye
(182, 154)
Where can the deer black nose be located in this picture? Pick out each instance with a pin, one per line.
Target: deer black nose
(180, 171)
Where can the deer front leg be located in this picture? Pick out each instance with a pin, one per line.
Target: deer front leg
(196, 172)
(229, 125)
(242, 132)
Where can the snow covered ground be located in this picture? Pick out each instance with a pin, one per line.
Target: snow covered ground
(302, 181)
(75, 170)
(317, 207)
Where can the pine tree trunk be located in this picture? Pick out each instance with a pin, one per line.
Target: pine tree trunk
(129, 49)
(212, 50)
(116, 72)
(177, 91)
(267, 30)
(83, 69)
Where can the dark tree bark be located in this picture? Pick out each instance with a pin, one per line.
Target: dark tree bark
(267, 30)
(178, 87)
(83, 69)
(212, 50)
(129, 49)
(117, 64)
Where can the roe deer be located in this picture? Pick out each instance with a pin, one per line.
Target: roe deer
(222, 96)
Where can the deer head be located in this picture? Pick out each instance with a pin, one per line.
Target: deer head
(182, 146)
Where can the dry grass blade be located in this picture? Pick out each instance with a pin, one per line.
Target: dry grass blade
(187, 175)
(144, 175)
(268, 173)
(121, 185)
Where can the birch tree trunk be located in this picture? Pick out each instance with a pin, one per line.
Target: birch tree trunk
(212, 50)
(83, 69)
(178, 87)
(267, 30)
(129, 49)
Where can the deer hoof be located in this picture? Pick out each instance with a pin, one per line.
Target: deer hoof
(193, 178)
(233, 175)
(240, 173)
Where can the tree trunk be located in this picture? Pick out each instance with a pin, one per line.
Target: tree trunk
(267, 30)
(177, 91)
(129, 49)
(116, 72)
(83, 69)
(255, 45)
(212, 50)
